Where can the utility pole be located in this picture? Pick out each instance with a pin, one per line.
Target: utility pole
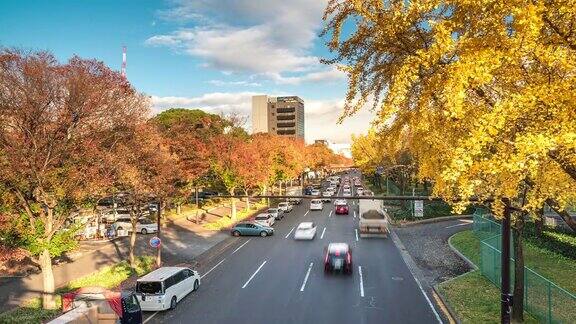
(159, 248)
(506, 297)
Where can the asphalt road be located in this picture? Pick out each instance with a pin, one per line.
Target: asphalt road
(279, 280)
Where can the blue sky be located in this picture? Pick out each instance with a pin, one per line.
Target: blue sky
(208, 54)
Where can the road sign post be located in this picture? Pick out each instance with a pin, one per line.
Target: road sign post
(418, 208)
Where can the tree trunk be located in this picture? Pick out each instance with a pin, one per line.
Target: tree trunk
(539, 222)
(134, 220)
(518, 306)
(247, 200)
(563, 213)
(232, 207)
(48, 297)
(178, 208)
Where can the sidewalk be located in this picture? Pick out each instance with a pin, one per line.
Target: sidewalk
(183, 241)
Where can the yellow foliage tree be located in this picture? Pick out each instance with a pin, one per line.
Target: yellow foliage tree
(486, 87)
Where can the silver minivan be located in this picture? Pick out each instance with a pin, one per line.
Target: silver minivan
(164, 287)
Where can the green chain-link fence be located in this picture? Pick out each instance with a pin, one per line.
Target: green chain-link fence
(542, 298)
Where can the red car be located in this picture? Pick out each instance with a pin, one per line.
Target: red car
(338, 258)
(342, 207)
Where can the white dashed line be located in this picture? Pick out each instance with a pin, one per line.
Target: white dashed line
(289, 232)
(361, 282)
(306, 277)
(149, 318)
(354, 214)
(356, 232)
(254, 274)
(306, 213)
(214, 267)
(330, 215)
(238, 248)
(323, 231)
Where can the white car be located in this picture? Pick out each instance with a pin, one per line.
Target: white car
(359, 191)
(316, 204)
(144, 225)
(265, 219)
(164, 287)
(305, 231)
(285, 207)
(347, 193)
(340, 202)
(276, 213)
(315, 192)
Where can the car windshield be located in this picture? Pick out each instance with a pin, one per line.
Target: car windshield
(315, 201)
(272, 210)
(152, 287)
(283, 204)
(261, 217)
(305, 226)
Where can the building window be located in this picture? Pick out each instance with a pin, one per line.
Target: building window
(273, 114)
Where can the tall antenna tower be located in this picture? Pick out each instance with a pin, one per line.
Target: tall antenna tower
(124, 61)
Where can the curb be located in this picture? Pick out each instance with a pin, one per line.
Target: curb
(460, 254)
(451, 312)
(433, 220)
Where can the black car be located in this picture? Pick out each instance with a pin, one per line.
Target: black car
(338, 258)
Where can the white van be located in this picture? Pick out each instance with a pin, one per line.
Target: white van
(316, 204)
(164, 287)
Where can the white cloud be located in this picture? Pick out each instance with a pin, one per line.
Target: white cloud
(222, 83)
(321, 76)
(262, 37)
(321, 116)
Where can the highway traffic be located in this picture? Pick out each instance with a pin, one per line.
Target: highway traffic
(277, 279)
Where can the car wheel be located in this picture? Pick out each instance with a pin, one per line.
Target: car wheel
(236, 233)
(173, 303)
(263, 234)
(144, 231)
(196, 285)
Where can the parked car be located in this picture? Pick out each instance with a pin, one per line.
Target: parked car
(265, 219)
(308, 191)
(250, 228)
(338, 258)
(285, 207)
(305, 231)
(276, 212)
(164, 287)
(315, 192)
(144, 225)
(316, 204)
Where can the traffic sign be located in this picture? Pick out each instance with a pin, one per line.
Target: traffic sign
(418, 208)
(155, 242)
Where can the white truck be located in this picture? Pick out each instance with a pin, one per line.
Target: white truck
(373, 218)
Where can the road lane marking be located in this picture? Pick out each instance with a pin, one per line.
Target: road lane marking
(330, 215)
(254, 274)
(354, 214)
(466, 222)
(356, 232)
(290, 232)
(214, 267)
(149, 318)
(238, 248)
(361, 282)
(322, 236)
(306, 277)
(306, 213)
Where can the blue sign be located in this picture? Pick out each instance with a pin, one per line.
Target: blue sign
(155, 242)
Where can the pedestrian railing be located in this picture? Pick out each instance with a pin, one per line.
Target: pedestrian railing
(543, 299)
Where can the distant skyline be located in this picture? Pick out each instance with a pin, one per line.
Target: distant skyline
(208, 54)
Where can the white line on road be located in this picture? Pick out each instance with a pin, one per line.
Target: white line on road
(254, 274)
(354, 214)
(306, 213)
(356, 232)
(149, 318)
(289, 232)
(466, 222)
(330, 215)
(322, 236)
(306, 277)
(361, 282)
(238, 248)
(214, 267)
